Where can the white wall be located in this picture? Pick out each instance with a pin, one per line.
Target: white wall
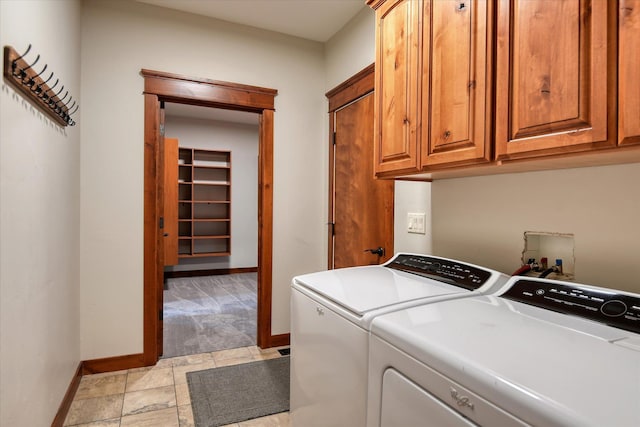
(39, 215)
(483, 219)
(119, 39)
(412, 197)
(242, 141)
(351, 49)
(348, 52)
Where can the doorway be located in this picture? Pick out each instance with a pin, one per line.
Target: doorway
(210, 229)
(162, 87)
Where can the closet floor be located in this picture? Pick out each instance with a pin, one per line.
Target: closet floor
(210, 313)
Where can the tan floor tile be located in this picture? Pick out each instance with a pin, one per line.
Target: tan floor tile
(234, 353)
(163, 418)
(180, 372)
(153, 378)
(94, 409)
(105, 423)
(277, 420)
(193, 359)
(234, 356)
(182, 394)
(185, 415)
(263, 354)
(101, 385)
(164, 363)
(137, 402)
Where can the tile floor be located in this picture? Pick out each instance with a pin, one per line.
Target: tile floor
(157, 396)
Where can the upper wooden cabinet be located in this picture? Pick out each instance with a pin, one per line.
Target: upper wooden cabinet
(554, 93)
(432, 84)
(628, 78)
(397, 86)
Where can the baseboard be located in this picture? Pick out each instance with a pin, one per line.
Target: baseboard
(111, 364)
(216, 272)
(63, 410)
(279, 340)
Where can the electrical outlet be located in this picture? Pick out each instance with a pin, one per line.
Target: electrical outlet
(416, 223)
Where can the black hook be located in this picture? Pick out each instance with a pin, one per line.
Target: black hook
(39, 87)
(23, 72)
(45, 95)
(60, 105)
(51, 98)
(14, 64)
(73, 112)
(32, 80)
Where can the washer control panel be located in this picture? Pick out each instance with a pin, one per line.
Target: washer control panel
(609, 307)
(443, 270)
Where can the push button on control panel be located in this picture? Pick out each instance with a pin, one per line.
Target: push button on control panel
(614, 308)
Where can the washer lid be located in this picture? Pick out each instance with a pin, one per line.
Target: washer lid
(363, 289)
(545, 367)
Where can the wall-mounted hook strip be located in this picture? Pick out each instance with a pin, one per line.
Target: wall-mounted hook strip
(21, 74)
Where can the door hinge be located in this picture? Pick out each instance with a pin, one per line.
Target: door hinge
(334, 137)
(160, 315)
(162, 129)
(333, 228)
(161, 222)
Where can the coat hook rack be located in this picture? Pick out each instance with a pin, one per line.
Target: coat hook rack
(31, 83)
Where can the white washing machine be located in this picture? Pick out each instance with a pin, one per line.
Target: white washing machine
(539, 352)
(331, 312)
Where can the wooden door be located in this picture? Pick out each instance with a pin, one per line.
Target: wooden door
(398, 44)
(362, 205)
(456, 52)
(629, 80)
(170, 207)
(553, 87)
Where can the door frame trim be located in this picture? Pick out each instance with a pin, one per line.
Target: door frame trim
(166, 87)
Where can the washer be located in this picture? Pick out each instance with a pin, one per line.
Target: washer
(538, 352)
(331, 312)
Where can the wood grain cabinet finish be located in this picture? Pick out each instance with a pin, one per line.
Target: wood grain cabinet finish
(553, 90)
(628, 72)
(432, 84)
(397, 89)
(456, 87)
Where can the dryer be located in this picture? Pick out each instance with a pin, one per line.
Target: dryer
(331, 312)
(538, 352)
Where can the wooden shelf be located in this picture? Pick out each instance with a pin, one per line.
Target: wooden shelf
(204, 203)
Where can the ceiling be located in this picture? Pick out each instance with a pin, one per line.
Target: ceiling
(316, 20)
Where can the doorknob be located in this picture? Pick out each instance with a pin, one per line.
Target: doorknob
(378, 251)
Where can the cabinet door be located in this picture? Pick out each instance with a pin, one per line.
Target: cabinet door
(456, 82)
(553, 93)
(629, 80)
(397, 89)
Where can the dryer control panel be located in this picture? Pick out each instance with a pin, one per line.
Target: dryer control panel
(609, 307)
(444, 270)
